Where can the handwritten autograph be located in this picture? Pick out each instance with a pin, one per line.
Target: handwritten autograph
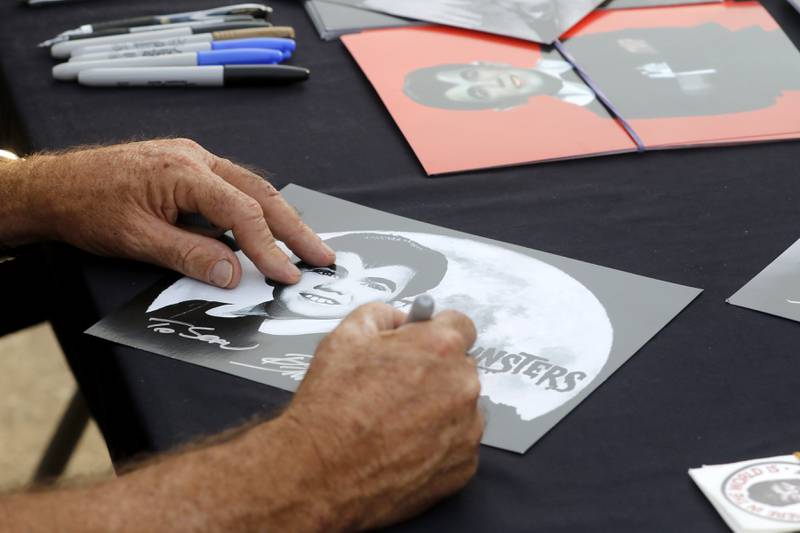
(292, 365)
(166, 326)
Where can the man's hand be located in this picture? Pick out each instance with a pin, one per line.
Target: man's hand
(385, 424)
(392, 412)
(125, 200)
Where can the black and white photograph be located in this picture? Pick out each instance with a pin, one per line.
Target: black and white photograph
(550, 329)
(542, 21)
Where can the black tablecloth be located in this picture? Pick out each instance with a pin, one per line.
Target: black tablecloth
(718, 385)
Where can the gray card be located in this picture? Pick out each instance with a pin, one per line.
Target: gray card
(334, 20)
(551, 329)
(542, 21)
(776, 290)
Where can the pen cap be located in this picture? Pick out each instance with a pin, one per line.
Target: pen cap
(255, 75)
(273, 43)
(274, 31)
(240, 56)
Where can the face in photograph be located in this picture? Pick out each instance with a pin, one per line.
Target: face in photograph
(778, 493)
(477, 85)
(370, 267)
(335, 291)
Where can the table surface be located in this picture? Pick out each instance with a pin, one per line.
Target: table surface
(718, 385)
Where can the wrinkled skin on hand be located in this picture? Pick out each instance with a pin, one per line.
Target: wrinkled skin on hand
(392, 410)
(124, 200)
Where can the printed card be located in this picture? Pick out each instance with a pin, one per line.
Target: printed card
(541, 21)
(776, 289)
(467, 101)
(760, 495)
(691, 75)
(550, 329)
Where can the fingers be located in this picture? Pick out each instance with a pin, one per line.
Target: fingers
(193, 255)
(284, 221)
(454, 331)
(371, 319)
(229, 208)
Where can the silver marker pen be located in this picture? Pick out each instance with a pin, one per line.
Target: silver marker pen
(422, 309)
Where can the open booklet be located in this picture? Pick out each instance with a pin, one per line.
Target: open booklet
(550, 329)
(671, 77)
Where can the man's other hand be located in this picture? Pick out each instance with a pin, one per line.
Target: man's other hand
(124, 200)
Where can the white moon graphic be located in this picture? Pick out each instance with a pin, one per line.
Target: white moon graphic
(518, 303)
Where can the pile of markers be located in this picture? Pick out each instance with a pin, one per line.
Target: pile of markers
(231, 45)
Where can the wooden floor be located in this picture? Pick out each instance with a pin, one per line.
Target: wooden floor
(35, 386)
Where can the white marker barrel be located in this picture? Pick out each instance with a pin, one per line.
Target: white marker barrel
(153, 77)
(147, 52)
(144, 45)
(69, 71)
(64, 49)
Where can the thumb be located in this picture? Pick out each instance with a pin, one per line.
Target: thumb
(197, 256)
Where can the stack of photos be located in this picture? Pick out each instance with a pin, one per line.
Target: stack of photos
(672, 75)
(550, 329)
(541, 21)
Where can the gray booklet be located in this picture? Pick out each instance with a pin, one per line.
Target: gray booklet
(550, 329)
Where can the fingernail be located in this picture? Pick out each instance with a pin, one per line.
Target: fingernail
(292, 273)
(329, 250)
(222, 273)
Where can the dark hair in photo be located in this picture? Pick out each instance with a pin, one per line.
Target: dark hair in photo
(763, 492)
(378, 250)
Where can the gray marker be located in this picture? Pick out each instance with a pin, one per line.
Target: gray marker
(421, 309)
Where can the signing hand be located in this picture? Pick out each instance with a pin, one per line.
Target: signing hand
(124, 200)
(392, 411)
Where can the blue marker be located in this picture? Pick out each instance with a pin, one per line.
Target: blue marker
(245, 56)
(287, 46)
